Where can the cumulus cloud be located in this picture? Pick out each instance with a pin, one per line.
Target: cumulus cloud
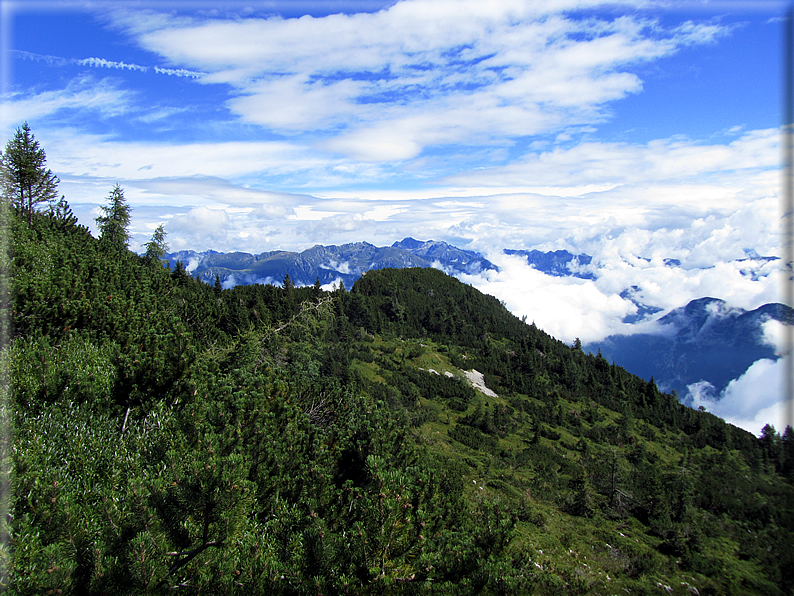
(774, 334)
(637, 261)
(332, 286)
(192, 264)
(200, 224)
(343, 267)
(751, 401)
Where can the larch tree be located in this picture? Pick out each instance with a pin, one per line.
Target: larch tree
(25, 178)
(115, 221)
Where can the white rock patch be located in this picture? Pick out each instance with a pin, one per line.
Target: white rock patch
(477, 380)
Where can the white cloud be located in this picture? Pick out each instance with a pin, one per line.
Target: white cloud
(192, 264)
(564, 307)
(295, 103)
(102, 158)
(774, 333)
(102, 63)
(83, 94)
(343, 267)
(229, 282)
(672, 160)
(633, 257)
(178, 72)
(200, 224)
(419, 73)
(751, 401)
(332, 286)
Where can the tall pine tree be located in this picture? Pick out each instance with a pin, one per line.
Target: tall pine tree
(26, 180)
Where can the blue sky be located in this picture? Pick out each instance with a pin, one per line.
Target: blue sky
(632, 131)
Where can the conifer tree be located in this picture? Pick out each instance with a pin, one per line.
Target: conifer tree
(157, 246)
(62, 212)
(180, 274)
(114, 223)
(287, 284)
(771, 445)
(26, 180)
(788, 452)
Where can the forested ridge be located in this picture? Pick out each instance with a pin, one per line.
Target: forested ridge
(171, 435)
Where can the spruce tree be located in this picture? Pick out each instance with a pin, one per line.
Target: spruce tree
(114, 223)
(26, 180)
(287, 284)
(316, 289)
(787, 443)
(157, 246)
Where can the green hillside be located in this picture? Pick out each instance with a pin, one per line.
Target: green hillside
(168, 435)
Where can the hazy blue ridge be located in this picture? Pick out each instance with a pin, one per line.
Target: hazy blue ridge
(327, 263)
(559, 263)
(704, 340)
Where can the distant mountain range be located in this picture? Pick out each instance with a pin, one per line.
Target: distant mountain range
(349, 261)
(329, 264)
(703, 341)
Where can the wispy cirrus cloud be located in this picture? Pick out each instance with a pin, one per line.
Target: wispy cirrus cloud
(83, 94)
(103, 63)
(102, 157)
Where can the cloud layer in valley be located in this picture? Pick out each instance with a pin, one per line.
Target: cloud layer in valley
(751, 401)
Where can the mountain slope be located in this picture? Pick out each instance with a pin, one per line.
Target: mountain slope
(410, 436)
